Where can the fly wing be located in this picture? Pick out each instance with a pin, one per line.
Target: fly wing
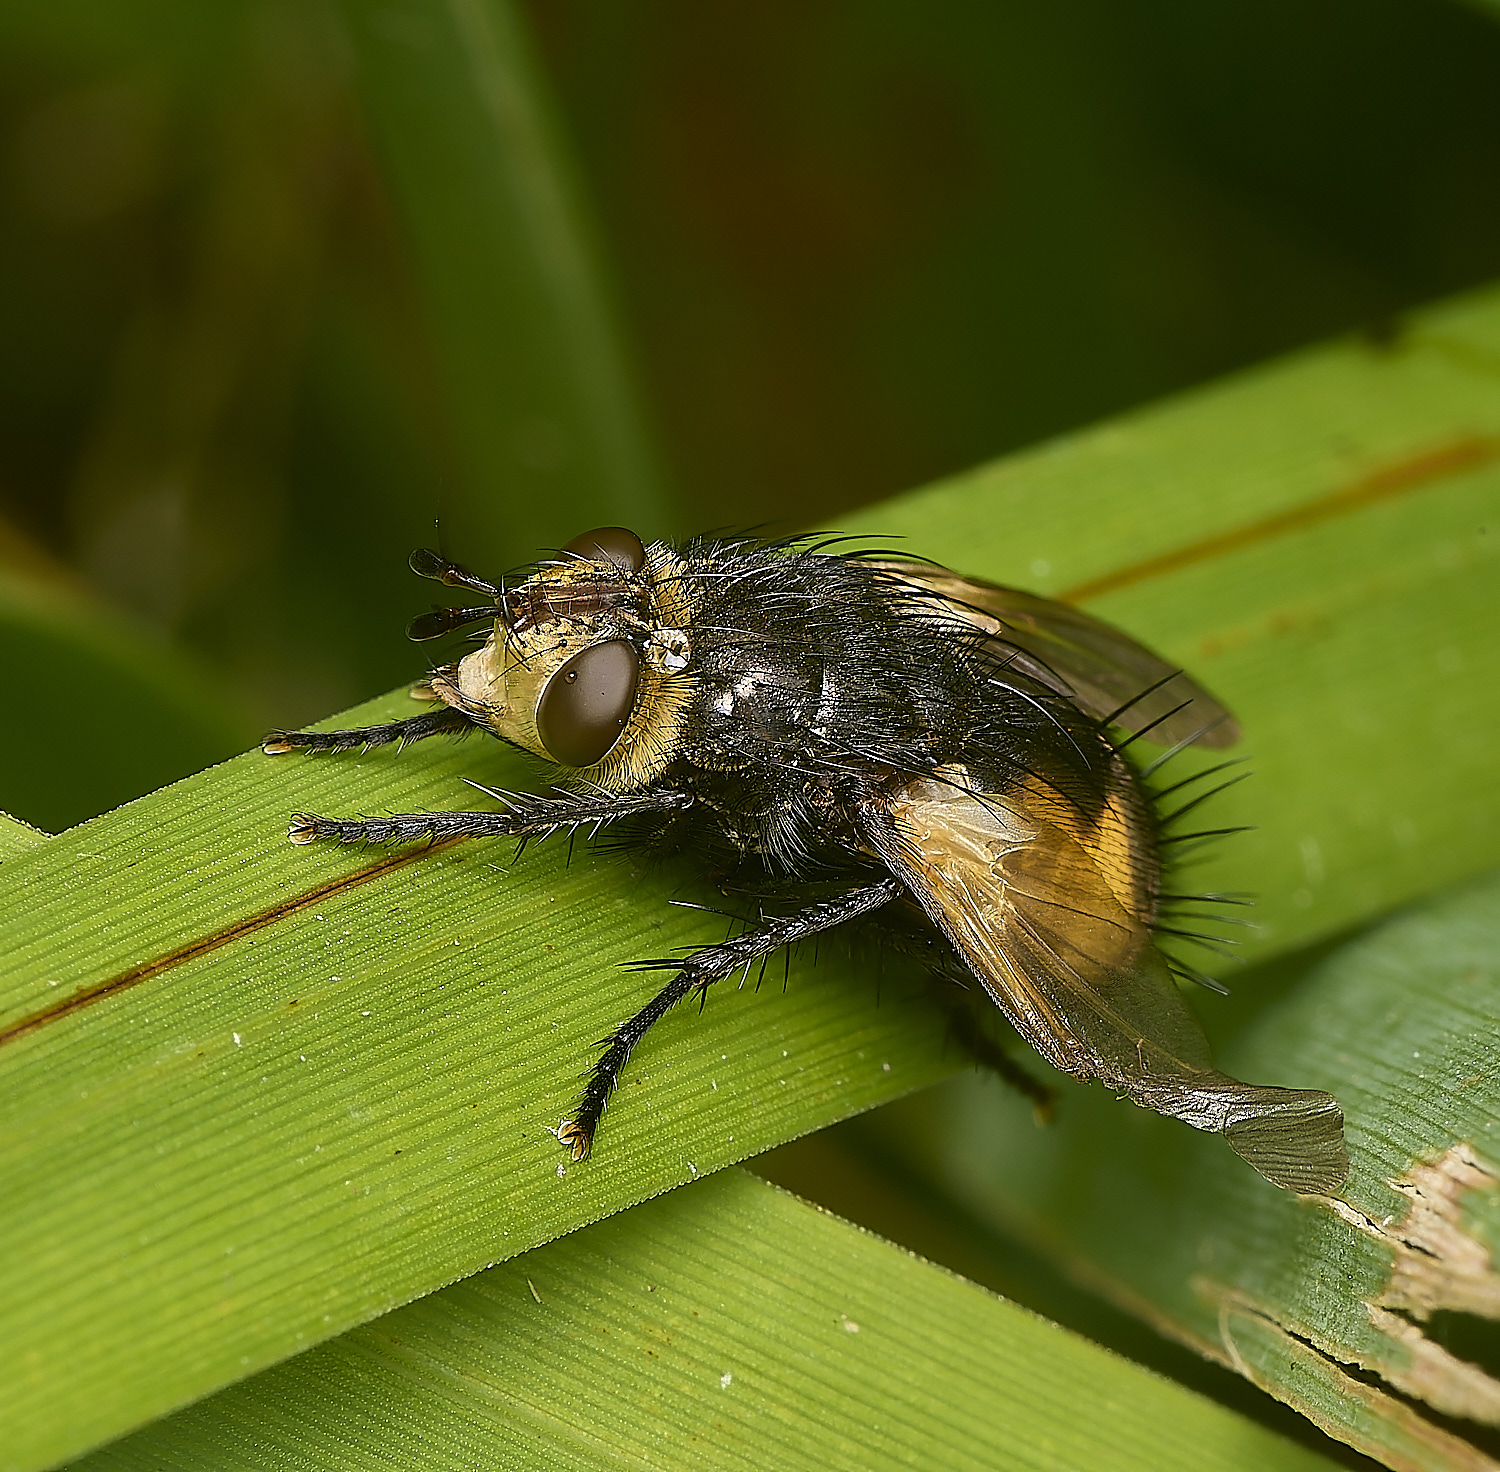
(1079, 977)
(1106, 672)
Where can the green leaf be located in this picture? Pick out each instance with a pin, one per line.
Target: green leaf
(544, 416)
(1395, 1277)
(255, 1095)
(728, 1325)
(17, 837)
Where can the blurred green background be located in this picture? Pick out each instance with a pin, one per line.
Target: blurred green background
(848, 248)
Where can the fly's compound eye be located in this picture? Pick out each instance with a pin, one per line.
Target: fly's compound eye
(587, 702)
(610, 544)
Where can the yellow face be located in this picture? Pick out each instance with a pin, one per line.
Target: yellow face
(590, 666)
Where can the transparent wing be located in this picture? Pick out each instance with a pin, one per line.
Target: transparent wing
(1104, 671)
(1079, 976)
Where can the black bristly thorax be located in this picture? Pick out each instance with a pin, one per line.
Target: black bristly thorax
(818, 681)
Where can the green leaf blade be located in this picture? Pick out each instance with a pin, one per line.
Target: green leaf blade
(727, 1326)
(348, 1105)
(1401, 1025)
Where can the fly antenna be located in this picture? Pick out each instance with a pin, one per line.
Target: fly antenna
(428, 564)
(444, 620)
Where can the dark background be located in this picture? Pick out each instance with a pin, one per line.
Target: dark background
(853, 247)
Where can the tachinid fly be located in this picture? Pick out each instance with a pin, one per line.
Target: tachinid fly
(893, 736)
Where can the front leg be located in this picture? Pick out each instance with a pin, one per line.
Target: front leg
(525, 815)
(413, 728)
(698, 972)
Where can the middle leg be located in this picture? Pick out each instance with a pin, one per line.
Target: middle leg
(697, 972)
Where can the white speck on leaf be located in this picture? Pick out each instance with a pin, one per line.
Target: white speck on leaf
(725, 1380)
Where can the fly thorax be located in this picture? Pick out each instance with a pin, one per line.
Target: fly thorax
(760, 700)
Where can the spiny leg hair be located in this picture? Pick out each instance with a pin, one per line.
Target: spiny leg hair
(698, 972)
(525, 815)
(413, 728)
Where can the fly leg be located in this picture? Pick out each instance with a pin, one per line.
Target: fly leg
(698, 972)
(414, 728)
(525, 815)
